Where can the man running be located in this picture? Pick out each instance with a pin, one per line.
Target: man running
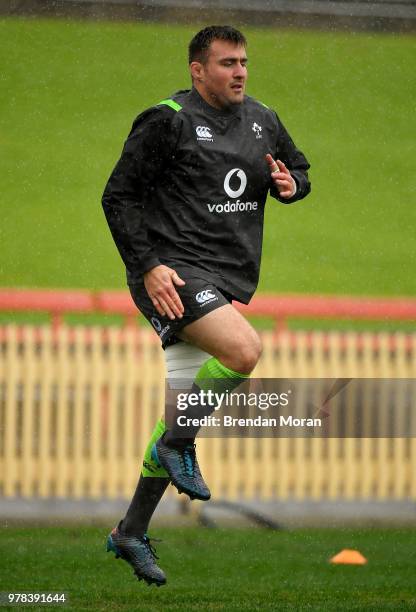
(185, 205)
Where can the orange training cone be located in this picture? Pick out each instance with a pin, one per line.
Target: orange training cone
(349, 557)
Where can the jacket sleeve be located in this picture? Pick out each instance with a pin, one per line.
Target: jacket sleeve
(126, 200)
(295, 161)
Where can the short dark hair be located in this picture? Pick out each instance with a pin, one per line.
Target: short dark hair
(201, 42)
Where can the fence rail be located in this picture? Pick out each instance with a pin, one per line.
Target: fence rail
(78, 403)
(280, 307)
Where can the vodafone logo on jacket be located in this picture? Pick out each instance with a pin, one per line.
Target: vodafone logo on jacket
(243, 183)
(237, 206)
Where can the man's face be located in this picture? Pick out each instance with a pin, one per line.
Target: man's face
(221, 80)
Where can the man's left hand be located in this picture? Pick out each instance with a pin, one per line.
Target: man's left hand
(281, 177)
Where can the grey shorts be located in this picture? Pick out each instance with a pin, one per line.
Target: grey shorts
(198, 298)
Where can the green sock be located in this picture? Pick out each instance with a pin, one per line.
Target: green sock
(212, 376)
(215, 376)
(149, 491)
(150, 468)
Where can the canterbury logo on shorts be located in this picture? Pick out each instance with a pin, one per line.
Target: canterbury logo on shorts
(203, 297)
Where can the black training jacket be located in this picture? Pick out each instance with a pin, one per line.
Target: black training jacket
(190, 187)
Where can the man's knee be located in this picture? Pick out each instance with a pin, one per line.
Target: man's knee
(226, 335)
(244, 355)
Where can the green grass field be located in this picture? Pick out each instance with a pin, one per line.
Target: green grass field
(72, 90)
(231, 569)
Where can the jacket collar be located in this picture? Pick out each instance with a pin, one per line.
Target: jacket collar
(198, 100)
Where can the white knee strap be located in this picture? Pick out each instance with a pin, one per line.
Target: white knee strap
(183, 362)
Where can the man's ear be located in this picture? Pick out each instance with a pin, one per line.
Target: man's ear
(197, 71)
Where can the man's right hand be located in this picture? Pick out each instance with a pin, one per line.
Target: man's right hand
(160, 285)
